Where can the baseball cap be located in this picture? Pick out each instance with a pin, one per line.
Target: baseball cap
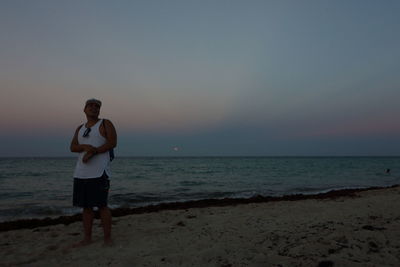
(93, 100)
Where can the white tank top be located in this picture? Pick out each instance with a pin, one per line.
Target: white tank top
(99, 163)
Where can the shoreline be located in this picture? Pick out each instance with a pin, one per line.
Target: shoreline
(204, 203)
(354, 227)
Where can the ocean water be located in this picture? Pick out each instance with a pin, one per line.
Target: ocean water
(42, 187)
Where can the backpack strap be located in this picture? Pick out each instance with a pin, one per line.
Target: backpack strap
(104, 126)
(111, 151)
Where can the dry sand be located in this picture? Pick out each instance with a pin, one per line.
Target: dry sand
(359, 230)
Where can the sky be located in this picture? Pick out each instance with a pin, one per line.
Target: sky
(203, 78)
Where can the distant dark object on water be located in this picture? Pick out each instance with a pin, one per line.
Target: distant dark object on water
(387, 170)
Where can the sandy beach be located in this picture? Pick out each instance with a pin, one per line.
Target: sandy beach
(359, 228)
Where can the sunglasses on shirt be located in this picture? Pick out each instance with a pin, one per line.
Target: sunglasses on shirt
(86, 133)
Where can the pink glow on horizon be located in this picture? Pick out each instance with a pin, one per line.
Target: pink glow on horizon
(57, 111)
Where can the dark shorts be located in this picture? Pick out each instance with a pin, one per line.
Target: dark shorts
(93, 192)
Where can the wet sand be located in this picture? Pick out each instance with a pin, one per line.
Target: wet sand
(340, 228)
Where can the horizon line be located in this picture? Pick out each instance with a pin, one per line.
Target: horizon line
(218, 156)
